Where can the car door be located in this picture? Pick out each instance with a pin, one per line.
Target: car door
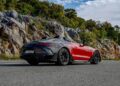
(81, 52)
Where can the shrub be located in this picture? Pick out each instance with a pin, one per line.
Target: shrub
(87, 37)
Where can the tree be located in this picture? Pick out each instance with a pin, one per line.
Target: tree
(80, 20)
(100, 34)
(11, 4)
(87, 37)
(107, 26)
(117, 28)
(2, 2)
(70, 13)
(90, 24)
(56, 11)
(25, 8)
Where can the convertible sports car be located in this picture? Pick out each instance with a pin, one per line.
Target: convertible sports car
(60, 51)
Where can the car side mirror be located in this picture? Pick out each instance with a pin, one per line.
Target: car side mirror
(81, 45)
(84, 43)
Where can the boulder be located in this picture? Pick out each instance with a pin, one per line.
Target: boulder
(20, 25)
(16, 37)
(73, 34)
(15, 50)
(13, 14)
(55, 28)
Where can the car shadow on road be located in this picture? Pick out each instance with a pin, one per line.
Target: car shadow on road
(41, 64)
(25, 65)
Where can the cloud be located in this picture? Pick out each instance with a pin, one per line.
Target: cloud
(62, 2)
(99, 10)
(103, 10)
(66, 2)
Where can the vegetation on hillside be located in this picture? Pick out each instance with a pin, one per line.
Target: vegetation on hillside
(90, 30)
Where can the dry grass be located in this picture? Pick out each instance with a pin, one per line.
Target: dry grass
(5, 57)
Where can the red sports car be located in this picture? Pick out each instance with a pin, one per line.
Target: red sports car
(60, 51)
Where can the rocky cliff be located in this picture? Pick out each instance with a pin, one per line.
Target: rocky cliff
(17, 30)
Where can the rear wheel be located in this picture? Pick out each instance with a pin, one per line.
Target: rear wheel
(32, 61)
(96, 58)
(63, 57)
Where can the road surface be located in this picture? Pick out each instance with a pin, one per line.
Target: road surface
(19, 73)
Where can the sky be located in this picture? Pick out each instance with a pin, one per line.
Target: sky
(99, 10)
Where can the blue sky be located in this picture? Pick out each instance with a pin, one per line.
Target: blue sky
(99, 10)
(70, 3)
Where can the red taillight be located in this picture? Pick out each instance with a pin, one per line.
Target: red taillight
(44, 44)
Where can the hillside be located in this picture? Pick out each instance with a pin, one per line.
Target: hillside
(22, 21)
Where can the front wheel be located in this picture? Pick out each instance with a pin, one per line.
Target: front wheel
(96, 58)
(63, 57)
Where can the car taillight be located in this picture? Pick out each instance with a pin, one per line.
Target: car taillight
(39, 50)
(44, 44)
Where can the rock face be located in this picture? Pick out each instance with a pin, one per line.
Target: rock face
(17, 30)
(55, 28)
(108, 49)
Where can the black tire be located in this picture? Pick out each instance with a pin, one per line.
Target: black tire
(95, 58)
(71, 62)
(32, 61)
(63, 57)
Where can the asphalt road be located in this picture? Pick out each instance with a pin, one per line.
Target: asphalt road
(19, 73)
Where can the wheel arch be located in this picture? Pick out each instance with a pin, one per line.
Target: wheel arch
(99, 54)
(96, 51)
(71, 59)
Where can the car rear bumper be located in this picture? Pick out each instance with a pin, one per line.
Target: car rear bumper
(40, 58)
(40, 54)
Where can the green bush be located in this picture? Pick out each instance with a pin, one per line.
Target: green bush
(25, 8)
(100, 34)
(2, 6)
(87, 37)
